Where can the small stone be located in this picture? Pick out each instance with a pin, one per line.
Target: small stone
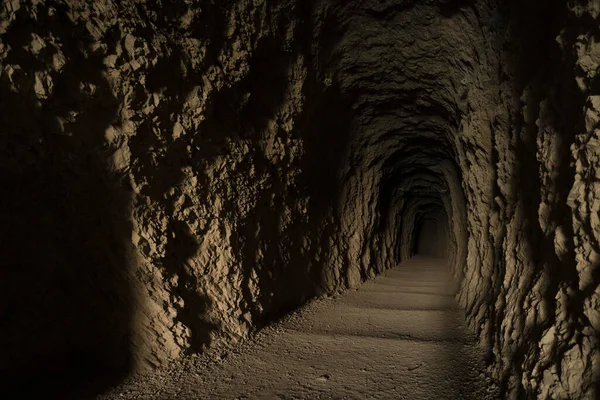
(177, 130)
(129, 44)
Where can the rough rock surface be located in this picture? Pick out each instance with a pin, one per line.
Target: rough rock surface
(531, 284)
(178, 173)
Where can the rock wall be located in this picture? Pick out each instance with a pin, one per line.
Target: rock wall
(170, 171)
(532, 247)
(180, 173)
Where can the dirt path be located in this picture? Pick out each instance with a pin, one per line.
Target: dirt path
(399, 336)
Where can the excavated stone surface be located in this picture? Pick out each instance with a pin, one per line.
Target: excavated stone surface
(531, 282)
(168, 176)
(177, 174)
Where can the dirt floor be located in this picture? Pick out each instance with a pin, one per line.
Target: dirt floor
(400, 336)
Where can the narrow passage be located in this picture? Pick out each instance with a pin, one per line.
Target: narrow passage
(400, 336)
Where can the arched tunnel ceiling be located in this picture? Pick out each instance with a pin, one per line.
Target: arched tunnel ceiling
(406, 66)
(414, 58)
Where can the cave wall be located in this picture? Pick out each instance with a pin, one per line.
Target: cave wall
(531, 282)
(527, 247)
(171, 178)
(178, 174)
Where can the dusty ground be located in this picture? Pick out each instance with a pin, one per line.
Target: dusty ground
(400, 336)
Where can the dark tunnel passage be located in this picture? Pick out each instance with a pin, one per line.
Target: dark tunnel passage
(179, 175)
(430, 234)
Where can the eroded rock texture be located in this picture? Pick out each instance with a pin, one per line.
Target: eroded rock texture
(178, 173)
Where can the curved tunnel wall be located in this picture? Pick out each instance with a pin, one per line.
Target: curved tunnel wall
(216, 165)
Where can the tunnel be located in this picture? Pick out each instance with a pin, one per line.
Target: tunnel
(199, 190)
(430, 234)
